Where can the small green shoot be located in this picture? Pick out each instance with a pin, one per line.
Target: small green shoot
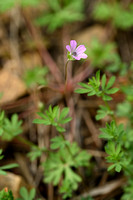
(55, 117)
(98, 87)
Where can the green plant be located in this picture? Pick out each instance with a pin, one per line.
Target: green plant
(6, 195)
(119, 138)
(103, 111)
(58, 167)
(9, 128)
(9, 4)
(105, 56)
(112, 133)
(55, 117)
(128, 191)
(35, 76)
(36, 152)
(25, 195)
(61, 12)
(120, 17)
(100, 54)
(98, 87)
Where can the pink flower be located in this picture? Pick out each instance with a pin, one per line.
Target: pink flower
(76, 52)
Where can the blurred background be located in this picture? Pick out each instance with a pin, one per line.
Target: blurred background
(33, 39)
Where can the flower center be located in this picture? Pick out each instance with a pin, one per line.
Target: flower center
(74, 53)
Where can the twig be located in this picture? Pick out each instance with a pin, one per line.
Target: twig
(14, 40)
(102, 190)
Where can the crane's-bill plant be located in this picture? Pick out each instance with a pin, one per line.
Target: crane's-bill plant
(64, 158)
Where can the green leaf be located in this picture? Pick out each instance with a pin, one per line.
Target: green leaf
(58, 142)
(110, 82)
(98, 76)
(112, 132)
(103, 112)
(103, 81)
(91, 93)
(118, 167)
(64, 121)
(41, 121)
(60, 129)
(11, 128)
(63, 113)
(112, 91)
(9, 166)
(32, 194)
(111, 167)
(81, 90)
(107, 98)
(2, 172)
(54, 116)
(24, 193)
(36, 152)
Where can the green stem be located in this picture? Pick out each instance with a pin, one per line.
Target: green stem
(29, 143)
(107, 105)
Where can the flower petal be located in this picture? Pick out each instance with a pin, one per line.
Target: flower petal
(76, 57)
(73, 45)
(80, 49)
(83, 55)
(68, 48)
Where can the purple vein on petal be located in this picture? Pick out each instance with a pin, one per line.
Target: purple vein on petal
(83, 55)
(73, 44)
(80, 49)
